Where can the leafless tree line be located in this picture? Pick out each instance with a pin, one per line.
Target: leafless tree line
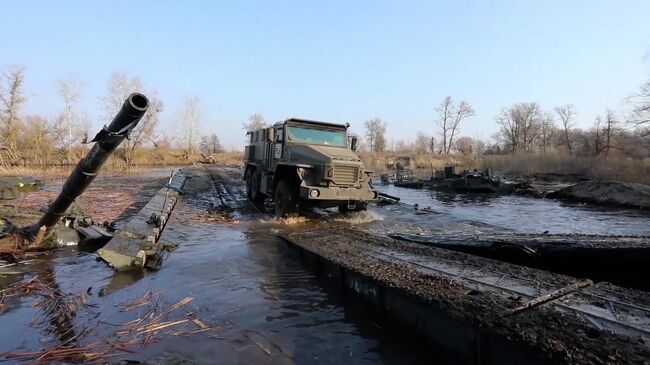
(450, 116)
(33, 139)
(526, 127)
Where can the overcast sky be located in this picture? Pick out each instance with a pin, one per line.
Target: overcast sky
(345, 61)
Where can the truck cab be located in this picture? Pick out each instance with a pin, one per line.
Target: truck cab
(298, 163)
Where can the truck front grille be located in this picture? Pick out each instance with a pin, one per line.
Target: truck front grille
(345, 175)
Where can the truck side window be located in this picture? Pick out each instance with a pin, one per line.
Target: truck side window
(279, 135)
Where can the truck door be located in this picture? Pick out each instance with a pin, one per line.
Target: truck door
(278, 145)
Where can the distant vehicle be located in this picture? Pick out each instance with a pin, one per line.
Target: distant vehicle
(299, 163)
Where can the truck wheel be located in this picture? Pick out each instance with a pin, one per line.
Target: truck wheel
(253, 187)
(249, 189)
(360, 206)
(285, 200)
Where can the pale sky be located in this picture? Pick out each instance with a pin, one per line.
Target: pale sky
(345, 61)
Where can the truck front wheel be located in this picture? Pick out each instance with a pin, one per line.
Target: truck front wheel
(285, 200)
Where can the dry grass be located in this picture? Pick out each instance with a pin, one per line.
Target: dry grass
(422, 164)
(615, 167)
(115, 167)
(229, 158)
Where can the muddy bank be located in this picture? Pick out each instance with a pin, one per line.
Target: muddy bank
(606, 192)
(109, 198)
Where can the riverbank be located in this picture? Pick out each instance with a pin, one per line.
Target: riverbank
(607, 193)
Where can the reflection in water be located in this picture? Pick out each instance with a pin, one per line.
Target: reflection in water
(57, 311)
(449, 198)
(120, 280)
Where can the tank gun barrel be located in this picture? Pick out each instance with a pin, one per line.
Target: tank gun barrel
(106, 141)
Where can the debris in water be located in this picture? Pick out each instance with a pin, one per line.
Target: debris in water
(97, 341)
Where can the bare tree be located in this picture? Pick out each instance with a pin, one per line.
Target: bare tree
(403, 146)
(445, 111)
(509, 132)
(465, 145)
(597, 135)
(449, 118)
(12, 99)
(462, 112)
(479, 146)
(566, 114)
(66, 126)
(120, 86)
(211, 144)
(255, 122)
(432, 145)
(546, 128)
(422, 143)
(520, 126)
(375, 134)
(191, 126)
(641, 106)
(610, 128)
(36, 139)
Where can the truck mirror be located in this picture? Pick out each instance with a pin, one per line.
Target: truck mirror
(353, 144)
(271, 134)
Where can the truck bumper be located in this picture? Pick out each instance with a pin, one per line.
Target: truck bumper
(319, 193)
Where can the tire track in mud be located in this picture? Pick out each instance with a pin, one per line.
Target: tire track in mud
(226, 182)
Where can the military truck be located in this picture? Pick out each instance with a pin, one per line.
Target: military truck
(299, 163)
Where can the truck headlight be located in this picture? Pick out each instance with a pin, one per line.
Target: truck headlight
(314, 193)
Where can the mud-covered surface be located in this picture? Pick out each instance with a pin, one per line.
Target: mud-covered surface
(112, 198)
(607, 192)
(562, 336)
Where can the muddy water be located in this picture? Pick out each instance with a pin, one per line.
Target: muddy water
(267, 305)
(523, 214)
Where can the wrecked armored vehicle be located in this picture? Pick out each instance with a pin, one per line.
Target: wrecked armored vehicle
(56, 224)
(300, 163)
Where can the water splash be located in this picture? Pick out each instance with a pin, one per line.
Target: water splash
(285, 221)
(359, 217)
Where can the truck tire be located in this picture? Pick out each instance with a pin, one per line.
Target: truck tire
(285, 200)
(253, 187)
(360, 206)
(249, 182)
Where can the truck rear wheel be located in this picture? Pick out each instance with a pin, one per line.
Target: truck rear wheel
(285, 200)
(253, 187)
(249, 190)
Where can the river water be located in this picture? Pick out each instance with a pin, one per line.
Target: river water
(525, 215)
(269, 307)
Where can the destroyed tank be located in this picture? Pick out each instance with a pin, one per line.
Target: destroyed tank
(22, 231)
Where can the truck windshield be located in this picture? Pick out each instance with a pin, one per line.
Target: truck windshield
(317, 136)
